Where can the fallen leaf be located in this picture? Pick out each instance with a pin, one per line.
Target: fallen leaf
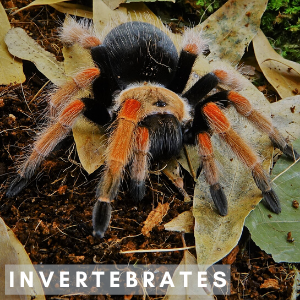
(270, 234)
(113, 4)
(172, 171)
(192, 292)
(189, 159)
(231, 257)
(286, 121)
(233, 26)
(74, 9)
(154, 218)
(270, 284)
(13, 253)
(11, 68)
(182, 223)
(39, 2)
(91, 143)
(104, 18)
(24, 47)
(282, 74)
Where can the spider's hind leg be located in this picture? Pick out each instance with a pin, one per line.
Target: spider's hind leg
(220, 124)
(200, 130)
(209, 167)
(244, 107)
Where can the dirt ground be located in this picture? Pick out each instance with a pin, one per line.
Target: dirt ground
(52, 216)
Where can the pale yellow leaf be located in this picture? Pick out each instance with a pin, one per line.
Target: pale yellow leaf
(104, 17)
(74, 9)
(91, 143)
(24, 47)
(231, 28)
(39, 2)
(183, 222)
(140, 12)
(189, 159)
(192, 292)
(13, 252)
(11, 69)
(286, 117)
(113, 4)
(283, 74)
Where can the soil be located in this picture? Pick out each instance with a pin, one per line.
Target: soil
(52, 216)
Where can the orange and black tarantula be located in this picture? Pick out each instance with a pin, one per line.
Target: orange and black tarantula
(139, 94)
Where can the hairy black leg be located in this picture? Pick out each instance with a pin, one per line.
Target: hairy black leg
(201, 88)
(183, 71)
(96, 111)
(105, 85)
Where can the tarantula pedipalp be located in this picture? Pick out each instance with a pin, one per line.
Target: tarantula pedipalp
(139, 93)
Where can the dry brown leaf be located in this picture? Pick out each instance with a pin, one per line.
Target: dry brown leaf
(172, 171)
(189, 159)
(24, 47)
(283, 74)
(74, 9)
(154, 218)
(13, 252)
(270, 284)
(11, 68)
(233, 26)
(182, 223)
(39, 2)
(192, 292)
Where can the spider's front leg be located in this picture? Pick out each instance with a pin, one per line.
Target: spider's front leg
(119, 153)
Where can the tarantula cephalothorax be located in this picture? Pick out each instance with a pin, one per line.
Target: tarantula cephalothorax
(149, 113)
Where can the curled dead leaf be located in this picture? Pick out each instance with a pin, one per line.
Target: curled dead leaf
(270, 284)
(154, 218)
(182, 223)
(283, 74)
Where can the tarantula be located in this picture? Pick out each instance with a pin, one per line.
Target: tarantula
(139, 94)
